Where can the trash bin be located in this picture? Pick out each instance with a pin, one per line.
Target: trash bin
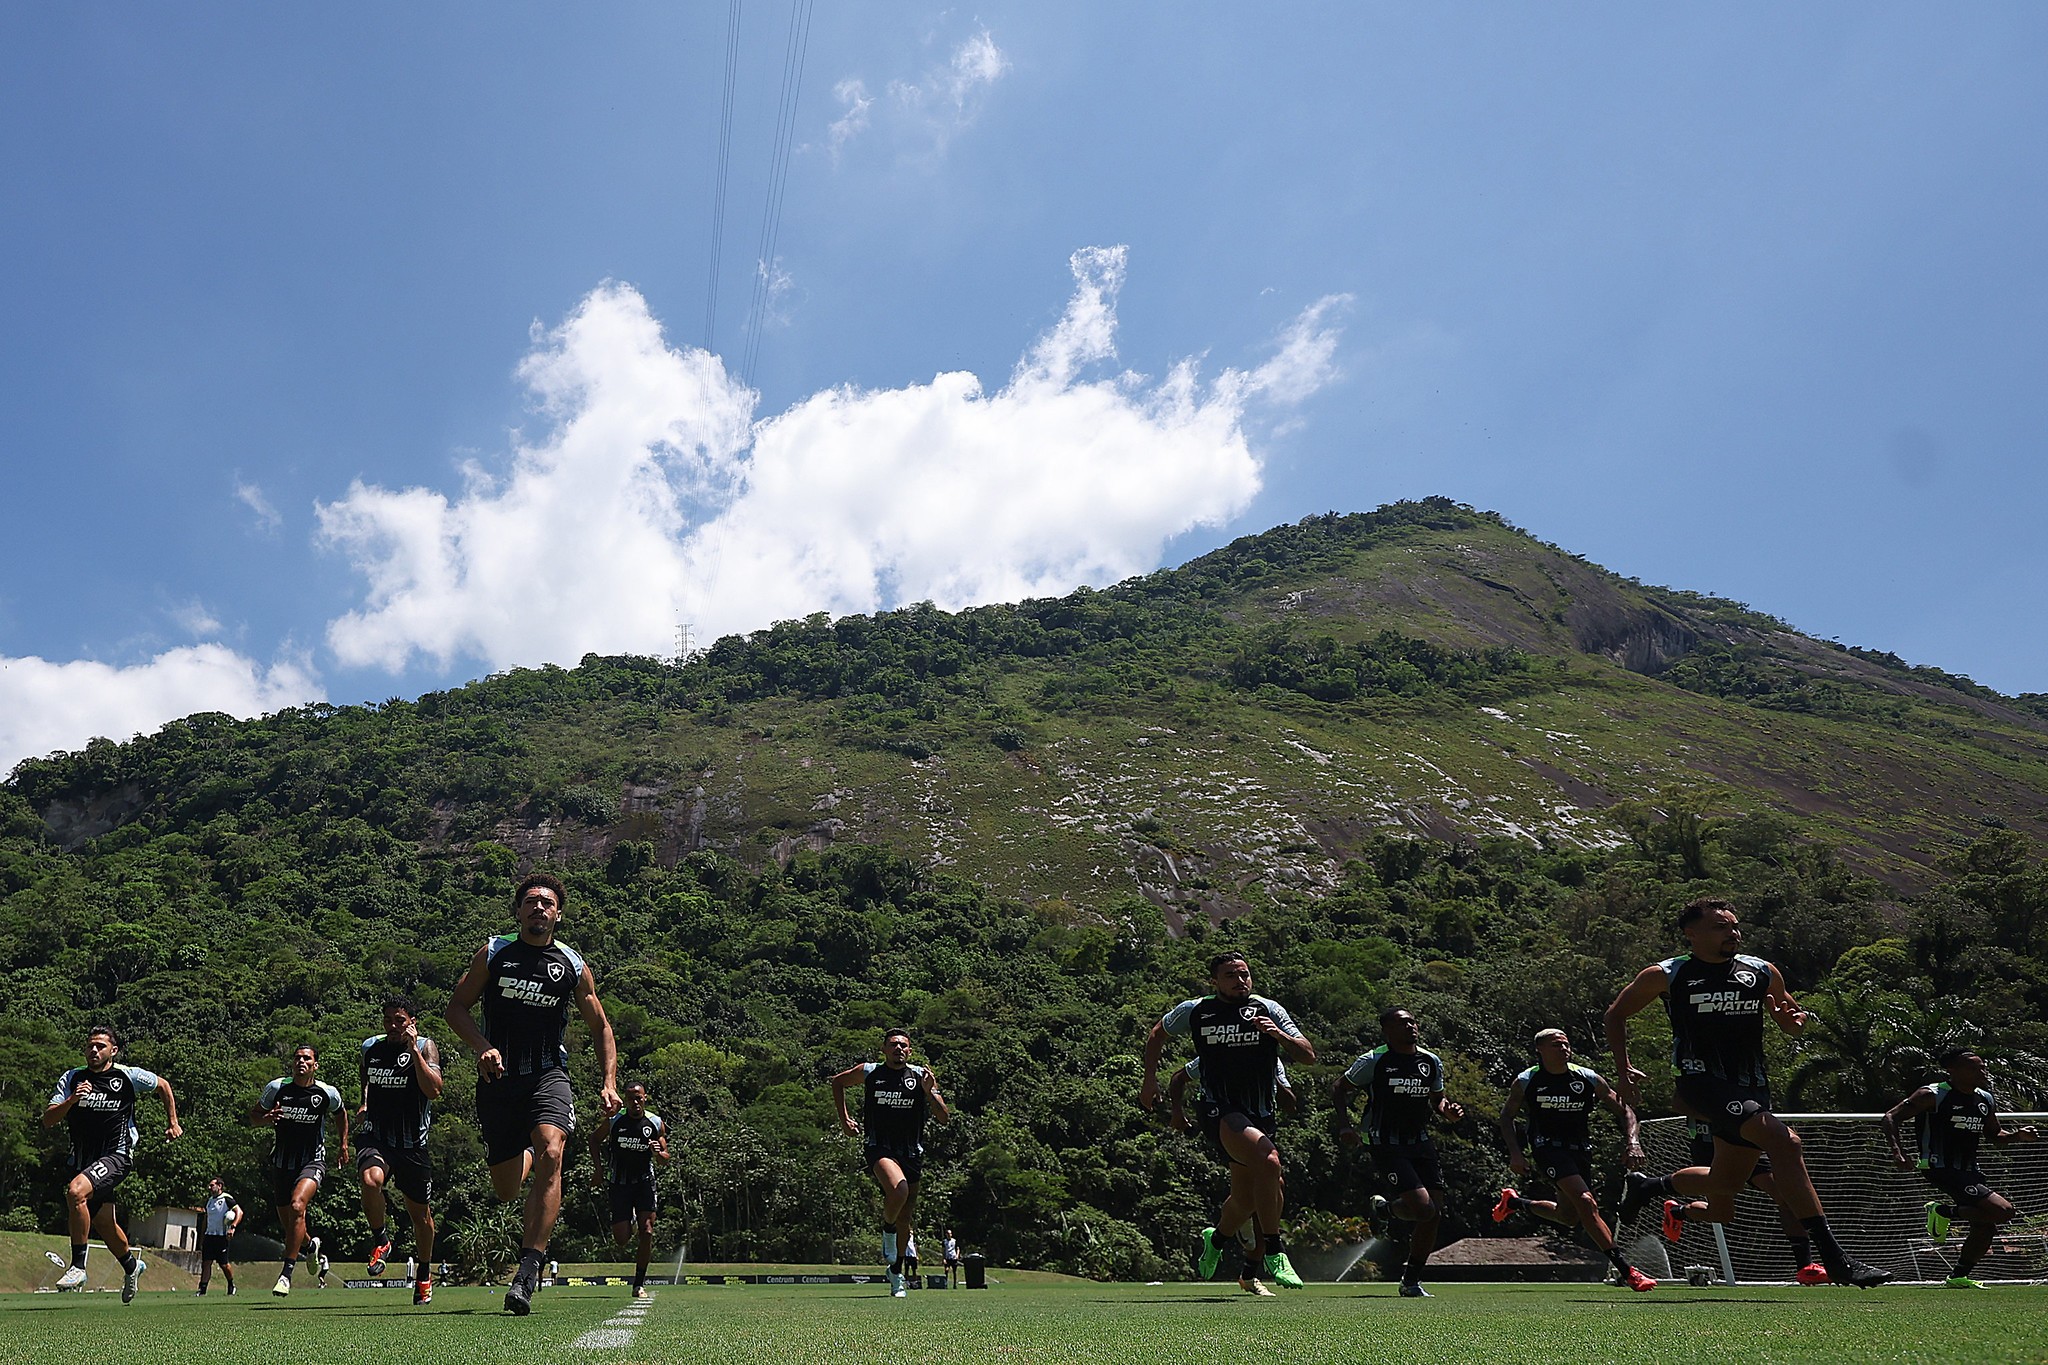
(976, 1271)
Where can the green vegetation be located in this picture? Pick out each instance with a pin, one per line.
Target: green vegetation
(1411, 755)
(1113, 1325)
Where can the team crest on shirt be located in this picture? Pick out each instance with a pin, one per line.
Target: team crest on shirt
(1745, 976)
(910, 1082)
(405, 1057)
(316, 1101)
(555, 970)
(1422, 1070)
(1578, 1087)
(1248, 1012)
(1735, 1106)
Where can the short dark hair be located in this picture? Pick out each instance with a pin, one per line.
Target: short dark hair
(1231, 956)
(306, 1047)
(1387, 1014)
(547, 879)
(1700, 908)
(1956, 1054)
(902, 1033)
(402, 1002)
(107, 1029)
(634, 1085)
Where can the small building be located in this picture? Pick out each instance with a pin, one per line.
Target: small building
(169, 1227)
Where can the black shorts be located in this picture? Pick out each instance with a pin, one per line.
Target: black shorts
(284, 1180)
(1211, 1117)
(1965, 1185)
(212, 1249)
(405, 1167)
(511, 1107)
(103, 1173)
(632, 1197)
(1701, 1153)
(909, 1159)
(1562, 1163)
(1404, 1166)
(1722, 1106)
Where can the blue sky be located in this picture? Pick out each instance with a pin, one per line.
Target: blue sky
(360, 352)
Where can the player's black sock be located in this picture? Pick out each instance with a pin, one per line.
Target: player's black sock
(1516, 1201)
(639, 1278)
(1802, 1253)
(1276, 1245)
(1618, 1261)
(1824, 1237)
(1947, 1211)
(896, 1266)
(78, 1254)
(1412, 1272)
(291, 1264)
(1660, 1186)
(380, 1237)
(128, 1264)
(529, 1264)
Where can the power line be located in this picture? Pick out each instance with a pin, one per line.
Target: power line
(795, 49)
(732, 62)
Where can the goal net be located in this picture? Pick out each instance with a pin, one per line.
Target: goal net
(1878, 1212)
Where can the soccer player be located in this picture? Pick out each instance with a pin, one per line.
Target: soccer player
(1951, 1119)
(97, 1101)
(1237, 1214)
(1717, 998)
(1639, 1189)
(296, 1108)
(527, 982)
(629, 1145)
(896, 1097)
(1403, 1085)
(1238, 1037)
(1560, 1094)
(401, 1078)
(219, 1216)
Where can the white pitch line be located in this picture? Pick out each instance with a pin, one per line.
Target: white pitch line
(615, 1334)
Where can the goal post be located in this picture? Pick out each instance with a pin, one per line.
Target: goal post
(1877, 1211)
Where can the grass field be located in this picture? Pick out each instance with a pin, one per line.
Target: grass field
(844, 1325)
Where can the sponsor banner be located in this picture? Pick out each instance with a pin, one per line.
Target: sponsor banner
(391, 1282)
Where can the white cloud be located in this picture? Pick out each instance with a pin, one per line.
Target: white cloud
(47, 706)
(268, 518)
(195, 620)
(655, 497)
(927, 112)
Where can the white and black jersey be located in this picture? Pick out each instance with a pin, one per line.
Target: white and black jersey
(397, 1112)
(1239, 1062)
(1717, 1018)
(526, 1002)
(102, 1123)
(893, 1106)
(301, 1128)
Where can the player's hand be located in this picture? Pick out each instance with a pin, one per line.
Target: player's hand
(850, 1127)
(269, 1116)
(1148, 1093)
(1452, 1112)
(1179, 1119)
(609, 1098)
(1902, 1161)
(1625, 1085)
(2027, 1133)
(491, 1063)
(80, 1091)
(173, 1131)
(1634, 1158)
(1348, 1136)
(1518, 1163)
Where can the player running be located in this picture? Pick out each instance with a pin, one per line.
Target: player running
(1560, 1094)
(1236, 1211)
(1951, 1119)
(1717, 998)
(296, 1108)
(524, 1106)
(401, 1078)
(1403, 1085)
(1238, 1037)
(629, 1145)
(97, 1101)
(219, 1216)
(896, 1097)
(1638, 1189)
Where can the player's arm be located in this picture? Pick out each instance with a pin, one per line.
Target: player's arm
(341, 1112)
(2001, 1134)
(600, 1145)
(1447, 1109)
(263, 1113)
(1635, 997)
(234, 1215)
(461, 1001)
(931, 1088)
(661, 1140)
(1782, 1006)
(1518, 1162)
(1631, 1126)
(173, 1130)
(427, 1058)
(600, 1028)
(1915, 1104)
(363, 1080)
(1341, 1126)
(1155, 1047)
(1176, 1099)
(65, 1099)
(851, 1076)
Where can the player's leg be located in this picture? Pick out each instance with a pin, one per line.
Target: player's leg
(373, 1175)
(1986, 1211)
(509, 1174)
(78, 1217)
(1248, 1145)
(644, 1252)
(544, 1189)
(1794, 1183)
(1804, 1268)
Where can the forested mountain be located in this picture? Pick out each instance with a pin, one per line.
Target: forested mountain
(1409, 755)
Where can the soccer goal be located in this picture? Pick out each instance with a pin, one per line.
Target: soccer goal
(1877, 1211)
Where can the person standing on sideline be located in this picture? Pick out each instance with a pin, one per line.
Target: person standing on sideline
(527, 983)
(296, 1108)
(97, 1101)
(897, 1095)
(401, 1078)
(219, 1216)
(1717, 997)
(951, 1250)
(629, 1145)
